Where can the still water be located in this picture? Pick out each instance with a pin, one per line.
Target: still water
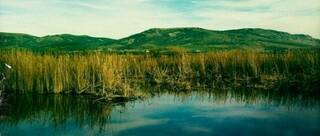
(165, 114)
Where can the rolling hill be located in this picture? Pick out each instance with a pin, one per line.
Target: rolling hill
(53, 42)
(157, 38)
(201, 38)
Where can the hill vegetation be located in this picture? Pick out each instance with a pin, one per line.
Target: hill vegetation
(52, 42)
(191, 39)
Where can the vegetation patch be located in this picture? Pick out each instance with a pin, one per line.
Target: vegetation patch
(123, 75)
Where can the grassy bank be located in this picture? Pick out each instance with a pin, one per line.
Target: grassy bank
(113, 74)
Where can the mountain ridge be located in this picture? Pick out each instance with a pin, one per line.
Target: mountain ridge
(191, 38)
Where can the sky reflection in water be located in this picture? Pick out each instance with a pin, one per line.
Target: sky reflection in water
(167, 114)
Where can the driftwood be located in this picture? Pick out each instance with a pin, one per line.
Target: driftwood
(116, 98)
(110, 98)
(88, 87)
(82, 90)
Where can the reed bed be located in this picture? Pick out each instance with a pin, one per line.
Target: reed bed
(107, 74)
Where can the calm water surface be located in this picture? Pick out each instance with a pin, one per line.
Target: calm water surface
(200, 114)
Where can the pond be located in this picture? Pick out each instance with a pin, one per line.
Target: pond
(163, 114)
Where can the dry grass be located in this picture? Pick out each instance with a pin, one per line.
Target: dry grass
(113, 74)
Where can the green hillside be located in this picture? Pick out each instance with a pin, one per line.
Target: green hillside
(188, 38)
(53, 42)
(198, 38)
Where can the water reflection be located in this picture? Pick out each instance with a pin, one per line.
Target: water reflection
(179, 113)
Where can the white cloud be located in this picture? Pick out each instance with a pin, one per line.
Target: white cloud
(117, 19)
(294, 16)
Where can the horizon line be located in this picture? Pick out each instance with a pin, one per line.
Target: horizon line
(99, 36)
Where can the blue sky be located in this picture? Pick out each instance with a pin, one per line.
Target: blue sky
(121, 18)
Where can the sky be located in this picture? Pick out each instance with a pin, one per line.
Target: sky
(121, 18)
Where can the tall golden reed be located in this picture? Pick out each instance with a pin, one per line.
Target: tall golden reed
(114, 74)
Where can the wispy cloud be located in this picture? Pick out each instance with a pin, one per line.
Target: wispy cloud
(116, 19)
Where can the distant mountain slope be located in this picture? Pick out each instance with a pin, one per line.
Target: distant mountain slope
(197, 37)
(52, 42)
(12, 40)
(157, 38)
